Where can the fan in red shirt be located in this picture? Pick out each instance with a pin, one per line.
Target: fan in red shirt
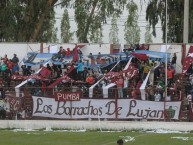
(10, 65)
(90, 80)
(170, 75)
(68, 52)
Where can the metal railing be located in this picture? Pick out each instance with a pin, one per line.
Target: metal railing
(22, 107)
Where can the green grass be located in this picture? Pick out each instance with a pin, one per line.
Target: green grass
(9, 137)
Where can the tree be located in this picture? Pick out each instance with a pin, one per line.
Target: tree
(156, 10)
(26, 20)
(88, 12)
(113, 34)
(132, 30)
(66, 35)
(48, 32)
(54, 38)
(148, 35)
(3, 4)
(96, 35)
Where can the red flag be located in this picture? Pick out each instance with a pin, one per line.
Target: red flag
(188, 60)
(45, 72)
(140, 56)
(79, 46)
(75, 52)
(58, 80)
(111, 73)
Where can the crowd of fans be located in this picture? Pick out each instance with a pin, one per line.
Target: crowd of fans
(128, 80)
(80, 74)
(9, 66)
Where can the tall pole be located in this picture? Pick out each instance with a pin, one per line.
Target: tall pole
(186, 21)
(166, 59)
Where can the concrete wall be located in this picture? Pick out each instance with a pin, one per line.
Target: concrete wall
(176, 48)
(21, 49)
(95, 125)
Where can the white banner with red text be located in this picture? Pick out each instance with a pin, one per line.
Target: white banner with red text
(105, 108)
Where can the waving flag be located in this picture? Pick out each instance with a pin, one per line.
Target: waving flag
(140, 56)
(33, 58)
(45, 72)
(188, 60)
(75, 52)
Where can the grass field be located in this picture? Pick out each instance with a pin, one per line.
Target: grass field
(59, 137)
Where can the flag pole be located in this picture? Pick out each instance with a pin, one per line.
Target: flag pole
(166, 60)
(186, 21)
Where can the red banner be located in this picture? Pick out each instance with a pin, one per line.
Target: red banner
(67, 96)
(14, 103)
(140, 56)
(188, 60)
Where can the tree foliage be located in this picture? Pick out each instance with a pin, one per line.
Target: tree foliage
(113, 34)
(91, 14)
(48, 32)
(66, 35)
(27, 20)
(132, 30)
(156, 10)
(96, 35)
(148, 35)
